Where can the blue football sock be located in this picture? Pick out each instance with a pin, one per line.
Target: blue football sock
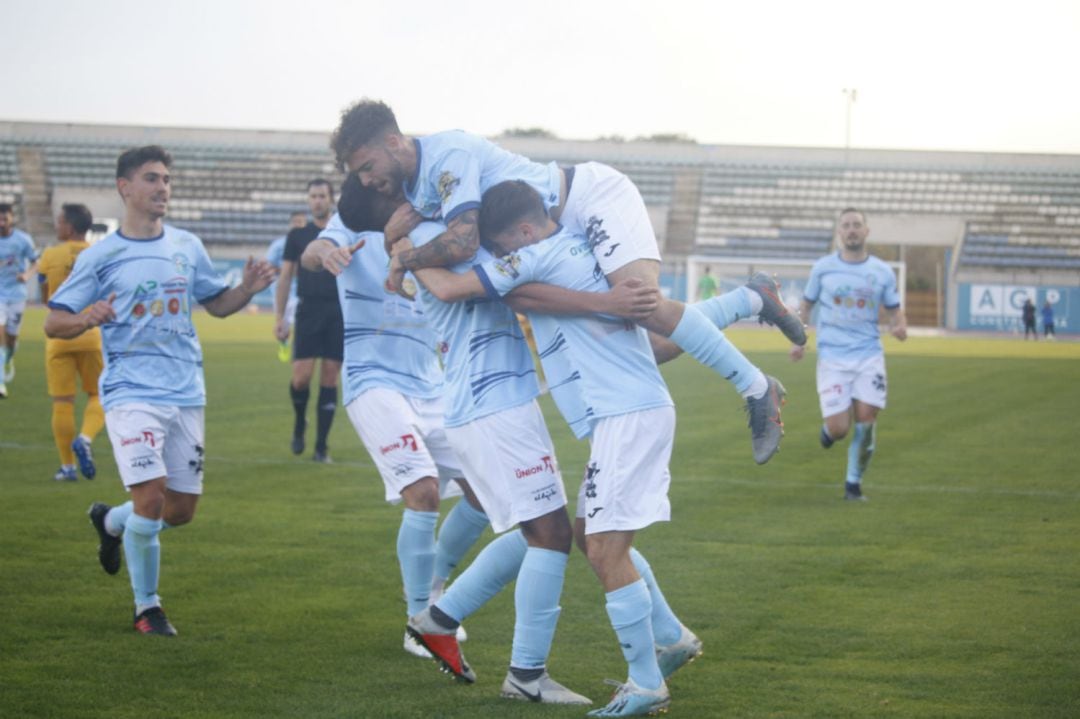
(667, 629)
(459, 531)
(495, 567)
(728, 308)
(143, 553)
(696, 335)
(117, 518)
(536, 603)
(416, 555)
(629, 609)
(860, 451)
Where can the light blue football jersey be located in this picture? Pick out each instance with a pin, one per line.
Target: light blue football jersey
(848, 297)
(618, 372)
(275, 255)
(151, 352)
(487, 362)
(454, 169)
(16, 253)
(388, 342)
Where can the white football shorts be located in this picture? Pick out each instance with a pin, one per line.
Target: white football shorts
(151, 441)
(406, 440)
(840, 381)
(509, 460)
(626, 481)
(11, 315)
(606, 208)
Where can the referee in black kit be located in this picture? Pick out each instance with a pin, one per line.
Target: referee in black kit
(319, 327)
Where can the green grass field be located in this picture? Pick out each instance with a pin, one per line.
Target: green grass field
(954, 592)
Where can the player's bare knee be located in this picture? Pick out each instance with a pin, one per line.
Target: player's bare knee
(551, 531)
(579, 535)
(422, 495)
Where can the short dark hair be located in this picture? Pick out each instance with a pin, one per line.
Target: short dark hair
(322, 182)
(136, 157)
(856, 210)
(78, 216)
(361, 122)
(363, 209)
(5, 207)
(506, 203)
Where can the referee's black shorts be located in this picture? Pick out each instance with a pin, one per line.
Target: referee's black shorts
(319, 330)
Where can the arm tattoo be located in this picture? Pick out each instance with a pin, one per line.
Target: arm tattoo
(457, 244)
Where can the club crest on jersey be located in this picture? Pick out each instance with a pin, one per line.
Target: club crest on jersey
(446, 185)
(508, 266)
(180, 262)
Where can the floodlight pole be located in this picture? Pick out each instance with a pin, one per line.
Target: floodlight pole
(850, 95)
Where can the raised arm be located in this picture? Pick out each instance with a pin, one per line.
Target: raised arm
(322, 254)
(457, 244)
(449, 286)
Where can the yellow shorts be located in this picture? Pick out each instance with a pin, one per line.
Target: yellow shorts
(62, 366)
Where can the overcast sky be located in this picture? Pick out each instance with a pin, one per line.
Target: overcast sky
(947, 74)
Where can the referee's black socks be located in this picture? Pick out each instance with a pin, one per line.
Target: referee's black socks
(299, 402)
(325, 416)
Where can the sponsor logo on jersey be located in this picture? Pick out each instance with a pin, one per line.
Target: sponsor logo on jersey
(180, 262)
(157, 308)
(138, 310)
(174, 306)
(446, 186)
(508, 266)
(145, 288)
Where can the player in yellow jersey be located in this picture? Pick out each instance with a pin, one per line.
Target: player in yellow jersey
(67, 360)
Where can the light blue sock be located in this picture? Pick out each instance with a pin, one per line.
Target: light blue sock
(495, 567)
(536, 603)
(416, 555)
(860, 451)
(3, 360)
(459, 531)
(727, 308)
(117, 518)
(143, 553)
(629, 609)
(704, 342)
(667, 629)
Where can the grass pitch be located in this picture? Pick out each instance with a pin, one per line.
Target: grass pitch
(954, 592)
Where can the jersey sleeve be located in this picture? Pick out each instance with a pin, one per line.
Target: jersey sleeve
(890, 294)
(457, 179)
(273, 253)
(208, 283)
(29, 251)
(812, 291)
(80, 289)
(292, 247)
(337, 233)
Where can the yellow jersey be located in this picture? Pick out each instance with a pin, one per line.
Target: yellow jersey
(54, 266)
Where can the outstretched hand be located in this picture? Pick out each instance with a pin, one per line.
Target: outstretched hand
(257, 276)
(336, 260)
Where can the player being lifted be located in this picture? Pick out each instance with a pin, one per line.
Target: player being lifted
(495, 427)
(443, 177)
(590, 360)
(850, 287)
(138, 284)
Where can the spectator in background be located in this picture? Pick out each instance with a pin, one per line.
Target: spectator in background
(1029, 319)
(320, 333)
(275, 253)
(1048, 320)
(17, 258)
(69, 360)
(706, 286)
